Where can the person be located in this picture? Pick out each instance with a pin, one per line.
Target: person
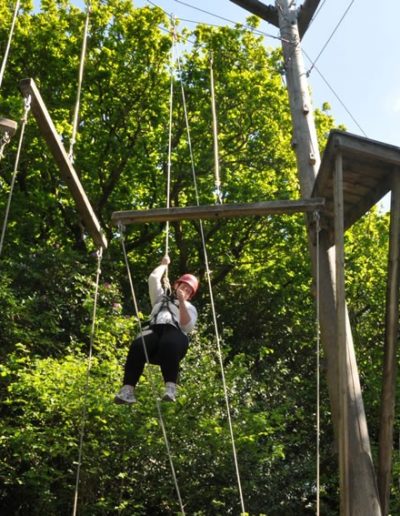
(165, 340)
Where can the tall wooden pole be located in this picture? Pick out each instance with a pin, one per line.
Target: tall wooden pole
(362, 495)
(390, 358)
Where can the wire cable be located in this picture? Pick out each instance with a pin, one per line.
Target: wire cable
(330, 37)
(336, 95)
(247, 27)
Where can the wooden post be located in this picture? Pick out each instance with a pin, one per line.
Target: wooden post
(68, 173)
(390, 359)
(363, 499)
(341, 339)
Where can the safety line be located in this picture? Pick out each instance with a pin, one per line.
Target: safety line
(10, 36)
(80, 80)
(151, 380)
(212, 303)
(86, 391)
(318, 357)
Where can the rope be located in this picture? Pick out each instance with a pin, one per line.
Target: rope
(169, 164)
(85, 397)
(214, 316)
(151, 380)
(80, 80)
(5, 140)
(24, 121)
(5, 58)
(218, 192)
(318, 351)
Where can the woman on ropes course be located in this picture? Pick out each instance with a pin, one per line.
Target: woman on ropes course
(164, 341)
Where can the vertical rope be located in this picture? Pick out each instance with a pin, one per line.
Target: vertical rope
(169, 164)
(86, 391)
(318, 350)
(11, 33)
(151, 380)
(214, 315)
(80, 80)
(24, 121)
(215, 134)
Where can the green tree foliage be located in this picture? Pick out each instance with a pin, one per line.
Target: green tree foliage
(259, 268)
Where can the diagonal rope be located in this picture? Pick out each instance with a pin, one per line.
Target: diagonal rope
(151, 380)
(214, 315)
(10, 36)
(24, 121)
(86, 391)
(80, 80)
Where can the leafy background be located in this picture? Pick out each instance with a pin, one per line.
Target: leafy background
(260, 273)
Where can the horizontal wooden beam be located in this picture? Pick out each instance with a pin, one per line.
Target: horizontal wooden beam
(70, 177)
(217, 211)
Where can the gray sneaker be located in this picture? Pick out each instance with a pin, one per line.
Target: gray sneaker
(170, 392)
(126, 395)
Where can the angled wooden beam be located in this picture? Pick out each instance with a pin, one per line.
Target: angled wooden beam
(268, 13)
(217, 211)
(68, 173)
(305, 15)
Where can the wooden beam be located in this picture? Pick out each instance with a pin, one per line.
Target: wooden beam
(70, 177)
(388, 396)
(306, 13)
(217, 211)
(268, 13)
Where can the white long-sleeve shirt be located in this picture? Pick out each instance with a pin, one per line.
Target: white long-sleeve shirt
(170, 314)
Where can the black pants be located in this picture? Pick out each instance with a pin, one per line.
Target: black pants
(165, 345)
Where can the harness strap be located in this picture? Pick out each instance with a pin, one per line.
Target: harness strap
(165, 300)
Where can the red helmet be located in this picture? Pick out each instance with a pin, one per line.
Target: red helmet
(190, 280)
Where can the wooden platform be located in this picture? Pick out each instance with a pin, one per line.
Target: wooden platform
(368, 168)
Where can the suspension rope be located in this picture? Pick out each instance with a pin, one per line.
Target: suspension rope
(80, 80)
(166, 284)
(24, 121)
(151, 379)
(10, 36)
(318, 353)
(213, 310)
(86, 391)
(218, 192)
